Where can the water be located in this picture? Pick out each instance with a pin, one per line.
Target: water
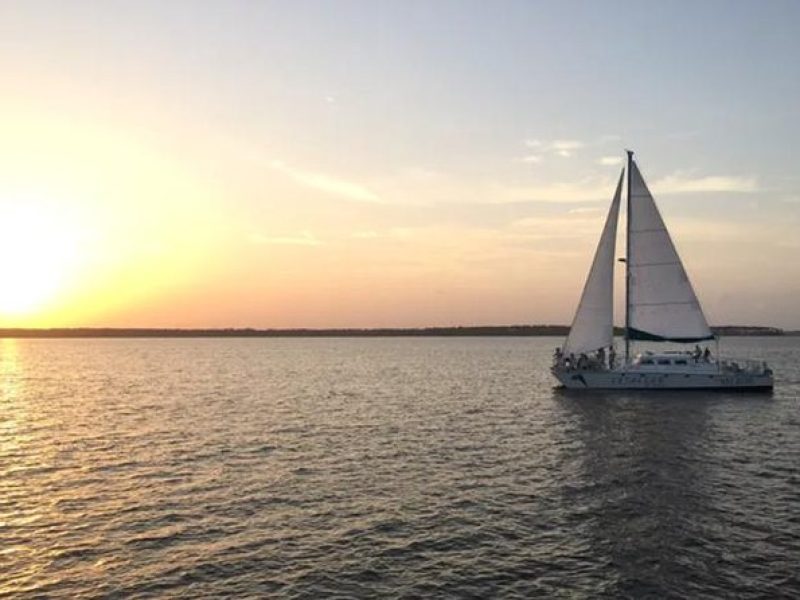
(309, 468)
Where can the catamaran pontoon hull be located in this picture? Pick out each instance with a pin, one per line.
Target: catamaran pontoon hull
(622, 379)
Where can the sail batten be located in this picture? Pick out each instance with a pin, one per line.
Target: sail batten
(662, 305)
(593, 327)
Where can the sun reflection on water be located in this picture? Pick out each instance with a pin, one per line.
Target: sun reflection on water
(9, 368)
(25, 465)
(10, 409)
(13, 440)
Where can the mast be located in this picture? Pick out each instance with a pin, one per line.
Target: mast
(628, 263)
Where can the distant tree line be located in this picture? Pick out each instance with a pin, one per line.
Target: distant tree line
(484, 330)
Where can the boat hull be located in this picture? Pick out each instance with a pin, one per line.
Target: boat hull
(632, 380)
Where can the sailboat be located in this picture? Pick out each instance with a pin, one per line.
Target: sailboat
(660, 306)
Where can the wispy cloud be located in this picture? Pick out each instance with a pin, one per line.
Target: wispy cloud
(609, 161)
(585, 190)
(306, 238)
(566, 148)
(440, 188)
(585, 210)
(682, 183)
(572, 225)
(326, 183)
(563, 148)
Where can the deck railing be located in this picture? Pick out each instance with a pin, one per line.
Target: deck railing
(749, 367)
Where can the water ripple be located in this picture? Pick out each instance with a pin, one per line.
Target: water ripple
(384, 468)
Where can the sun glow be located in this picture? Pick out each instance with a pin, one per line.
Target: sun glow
(38, 252)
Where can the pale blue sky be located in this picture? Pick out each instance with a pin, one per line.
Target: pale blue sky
(435, 124)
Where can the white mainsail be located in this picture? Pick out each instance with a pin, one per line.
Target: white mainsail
(593, 327)
(662, 305)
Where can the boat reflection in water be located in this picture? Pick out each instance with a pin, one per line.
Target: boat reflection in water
(648, 489)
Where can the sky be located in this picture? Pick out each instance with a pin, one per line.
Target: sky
(386, 163)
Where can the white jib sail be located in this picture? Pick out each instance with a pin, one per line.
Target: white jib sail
(662, 304)
(593, 325)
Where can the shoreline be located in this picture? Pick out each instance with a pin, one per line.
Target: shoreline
(461, 331)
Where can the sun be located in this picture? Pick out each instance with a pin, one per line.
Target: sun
(38, 250)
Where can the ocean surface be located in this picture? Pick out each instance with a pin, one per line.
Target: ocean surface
(385, 468)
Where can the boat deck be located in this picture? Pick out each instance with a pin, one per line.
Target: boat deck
(668, 371)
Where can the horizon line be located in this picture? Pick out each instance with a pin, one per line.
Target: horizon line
(539, 330)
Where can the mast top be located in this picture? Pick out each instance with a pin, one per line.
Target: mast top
(629, 153)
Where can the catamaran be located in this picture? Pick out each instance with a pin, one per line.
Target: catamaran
(660, 306)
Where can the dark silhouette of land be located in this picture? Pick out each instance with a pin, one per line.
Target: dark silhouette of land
(500, 330)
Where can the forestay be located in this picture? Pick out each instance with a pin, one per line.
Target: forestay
(593, 326)
(662, 305)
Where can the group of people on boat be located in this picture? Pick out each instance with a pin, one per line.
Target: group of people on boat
(704, 354)
(593, 361)
(600, 359)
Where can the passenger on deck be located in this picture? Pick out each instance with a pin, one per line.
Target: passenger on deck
(582, 360)
(707, 355)
(558, 356)
(601, 357)
(612, 357)
(697, 353)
